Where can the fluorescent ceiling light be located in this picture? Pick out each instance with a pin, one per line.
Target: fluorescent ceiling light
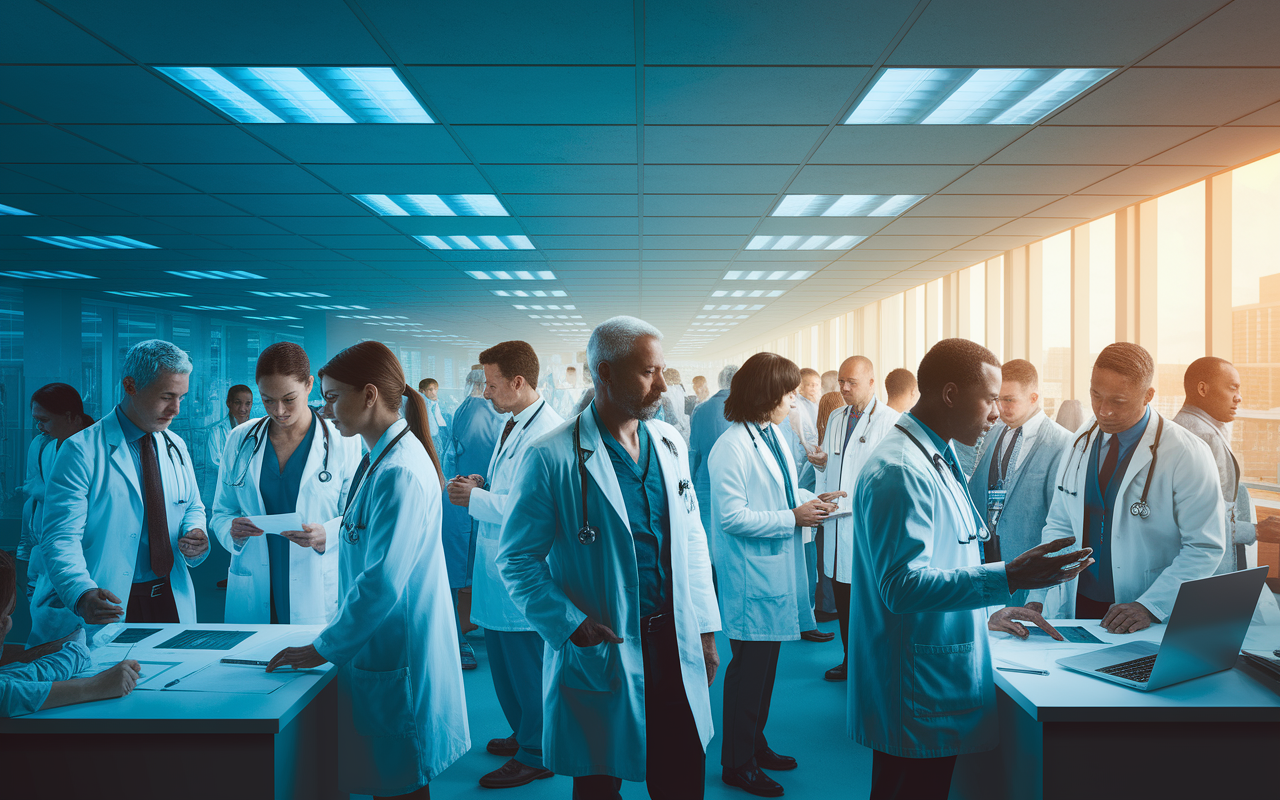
(434, 205)
(476, 242)
(910, 96)
(219, 308)
(271, 319)
(739, 307)
(290, 294)
(41, 274)
(530, 293)
(513, 275)
(10, 211)
(311, 94)
(767, 275)
(147, 294)
(95, 242)
(547, 308)
(335, 308)
(747, 293)
(368, 316)
(845, 205)
(803, 242)
(216, 275)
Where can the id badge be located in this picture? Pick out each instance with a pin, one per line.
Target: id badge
(995, 505)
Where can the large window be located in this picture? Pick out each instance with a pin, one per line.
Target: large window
(1102, 286)
(1180, 292)
(1055, 322)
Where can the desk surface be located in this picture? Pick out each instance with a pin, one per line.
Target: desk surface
(150, 711)
(1066, 696)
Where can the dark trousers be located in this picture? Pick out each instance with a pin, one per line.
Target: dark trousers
(151, 601)
(423, 793)
(515, 660)
(824, 601)
(1087, 608)
(674, 760)
(748, 688)
(841, 591)
(897, 778)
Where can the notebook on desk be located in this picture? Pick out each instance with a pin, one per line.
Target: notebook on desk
(1205, 630)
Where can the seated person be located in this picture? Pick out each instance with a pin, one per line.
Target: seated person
(47, 682)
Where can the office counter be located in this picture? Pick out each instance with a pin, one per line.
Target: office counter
(188, 744)
(1067, 735)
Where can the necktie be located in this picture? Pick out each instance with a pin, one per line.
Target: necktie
(153, 502)
(355, 482)
(854, 416)
(1008, 454)
(1109, 465)
(511, 424)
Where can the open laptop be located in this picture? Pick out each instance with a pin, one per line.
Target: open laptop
(1205, 630)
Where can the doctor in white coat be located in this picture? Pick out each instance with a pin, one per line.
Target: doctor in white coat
(515, 648)
(123, 520)
(1145, 492)
(852, 433)
(402, 714)
(605, 555)
(758, 513)
(290, 461)
(920, 685)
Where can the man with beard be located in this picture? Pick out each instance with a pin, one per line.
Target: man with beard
(605, 555)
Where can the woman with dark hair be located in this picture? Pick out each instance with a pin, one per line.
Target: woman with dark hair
(404, 717)
(59, 414)
(757, 512)
(288, 462)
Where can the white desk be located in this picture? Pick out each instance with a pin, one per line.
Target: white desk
(1067, 735)
(184, 744)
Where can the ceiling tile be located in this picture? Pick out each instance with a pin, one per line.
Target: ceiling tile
(575, 178)
(182, 144)
(1266, 116)
(402, 178)
(1016, 180)
(551, 242)
(715, 178)
(169, 204)
(914, 144)
(1036, 226)
(739, 226)
(747, 95)
(707, 205)
(571, 205)
(549, 144)
(324, 225)
(678, 242)
(35, 34)
(41, 226)
(939, 226)
(882, 242)
(47, 144)
(970, 205)
(1242, 34)
(1085, 207)
(1149, 180)
(529, 95)
(824, 179)
(287, 205)
(821, 226)
(128, 226)
(1167, 96)
(1092, 145)
(1223, 147)
(99, 94)
(997, 243)
(567, 226)
(15, 184)
(103, 178)
(235, 178)
(221, 225)
(719, 144)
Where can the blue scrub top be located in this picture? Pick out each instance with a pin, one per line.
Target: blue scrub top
(645, 494)
(279, 488)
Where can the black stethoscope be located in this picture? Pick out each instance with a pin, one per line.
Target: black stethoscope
(944, 471)
(257, 435)
(862, 439)
(352, 528)
(170, 447)
(1139, 509)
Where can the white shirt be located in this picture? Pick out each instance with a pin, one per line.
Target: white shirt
(1030, 429)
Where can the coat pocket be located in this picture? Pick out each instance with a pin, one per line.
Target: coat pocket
(382, 702)
(945, 679)
(589, 669)
(766, 576)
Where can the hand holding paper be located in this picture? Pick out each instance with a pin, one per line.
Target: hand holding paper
(270, 523)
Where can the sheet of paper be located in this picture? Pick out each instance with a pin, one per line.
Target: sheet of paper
(152, 672)
(205, 640)
(235, 679)
(278, 523)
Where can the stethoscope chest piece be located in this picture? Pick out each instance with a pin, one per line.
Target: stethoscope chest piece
(588, 534)
(1140, 509)
(325, 476)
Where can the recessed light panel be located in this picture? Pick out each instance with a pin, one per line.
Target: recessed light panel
(909, 96)
(845, 205)
(476, 242)
(290, 294)
(10, 211)
(216, 275)
(512, 275)
(803, 242)
(767, 275)
(747, 293)
(530, 293)
(271, 319)
(41, 274)
(219, 308)
(95, 242)
(434, 205)
(335, 308)
(147, 294)
(311, 94)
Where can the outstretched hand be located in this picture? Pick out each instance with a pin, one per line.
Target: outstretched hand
(1038, 569)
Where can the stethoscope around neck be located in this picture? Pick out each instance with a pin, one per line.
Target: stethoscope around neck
(950, 483)
(1139, 509)
(258, 435)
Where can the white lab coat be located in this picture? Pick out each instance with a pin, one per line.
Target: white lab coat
(40, 455)
(313, 577)
(593, 707)
(402, 713)
(93, 523)
(756, 546)
(217, 441)
(491, 604)
(1184, 538)
(841, 475)
(920, 682)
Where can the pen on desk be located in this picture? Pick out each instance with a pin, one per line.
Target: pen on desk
(175, 683)
(1024, 671)
(249, 661)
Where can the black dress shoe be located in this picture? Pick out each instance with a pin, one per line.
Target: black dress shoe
(826, 616)
(839, 673)
(504, 747)
(513, 773)
(767, 759)
(817, 636)
(751, 780)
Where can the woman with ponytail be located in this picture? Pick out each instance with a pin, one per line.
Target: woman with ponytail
(404, 717)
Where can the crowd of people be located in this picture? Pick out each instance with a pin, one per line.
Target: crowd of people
(602, 541)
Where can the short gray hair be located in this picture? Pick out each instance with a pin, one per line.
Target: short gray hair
(147, 359)
(613, 340)
(475, 378)
(726, 375)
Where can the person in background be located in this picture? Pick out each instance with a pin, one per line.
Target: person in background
(1212, 387)
(468, 448)
(701, 391)
(901, 391)
(46, 678)
(920, 686)
(824, 599)
(853, 431)
(758, 511)
(1070, 415)
(672, 411)
(830, 381)
(1113, 471)
(705, 426)
(239, 406)
(802, 435)
(290, 461)
(1013, 484)
(58, 411)
(515, 648)
(429, 388)
(123, 520)
(608, 539)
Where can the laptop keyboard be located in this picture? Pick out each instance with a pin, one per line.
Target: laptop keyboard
(1137, 670)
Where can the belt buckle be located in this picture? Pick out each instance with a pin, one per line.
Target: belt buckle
(156, 589)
